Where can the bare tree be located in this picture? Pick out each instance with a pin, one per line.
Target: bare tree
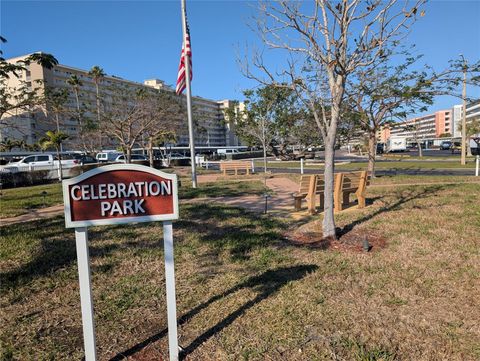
(168, 110)
(269, 118)
(327, 41)
(126, 116)
(383, 93)
(131, 114)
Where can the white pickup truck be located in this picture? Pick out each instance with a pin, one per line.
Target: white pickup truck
(42, 161)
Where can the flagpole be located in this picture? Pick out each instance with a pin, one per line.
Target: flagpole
(189, 99)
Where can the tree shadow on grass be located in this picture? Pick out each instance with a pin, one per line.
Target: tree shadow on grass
(219, 189)
(236, 230)
(233, 229)
(56, 250)
(414, 194)
(265, 284)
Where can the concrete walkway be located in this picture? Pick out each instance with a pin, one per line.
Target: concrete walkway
(279, 202)
(34, 215)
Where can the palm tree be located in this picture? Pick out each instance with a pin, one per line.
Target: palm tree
(7, 145)
(76, 83)
(34, 147)
(97, 74)
(54, 139)
(21, 144)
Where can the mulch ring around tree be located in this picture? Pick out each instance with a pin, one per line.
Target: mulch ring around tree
(310, 235)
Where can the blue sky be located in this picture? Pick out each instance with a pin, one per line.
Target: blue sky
(141, 40)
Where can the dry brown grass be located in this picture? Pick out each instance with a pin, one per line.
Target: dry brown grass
(244, 293)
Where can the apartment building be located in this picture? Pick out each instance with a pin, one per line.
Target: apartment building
(429, 126)
(433, 126)
(212, 129)
(473, 113)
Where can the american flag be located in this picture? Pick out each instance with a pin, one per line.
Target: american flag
(181, 83)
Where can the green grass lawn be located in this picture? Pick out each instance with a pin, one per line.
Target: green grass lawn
(245, 293)
(221, 188)
(17, 201)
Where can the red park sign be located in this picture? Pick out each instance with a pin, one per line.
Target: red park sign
(120, 193)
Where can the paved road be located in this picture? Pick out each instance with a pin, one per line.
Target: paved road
(390, 172)
(378, 171)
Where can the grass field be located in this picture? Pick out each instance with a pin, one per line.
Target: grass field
(245, 293)
(17, 201)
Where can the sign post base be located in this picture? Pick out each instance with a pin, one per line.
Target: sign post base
(86, 301)
(477, 165)
(170, 285)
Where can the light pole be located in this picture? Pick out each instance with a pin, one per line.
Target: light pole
(464, 112)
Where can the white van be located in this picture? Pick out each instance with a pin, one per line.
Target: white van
(396, 144)
(227, 151)
(104, 157)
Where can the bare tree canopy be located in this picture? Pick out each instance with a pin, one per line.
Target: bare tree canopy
(325, 42)
(132, 113)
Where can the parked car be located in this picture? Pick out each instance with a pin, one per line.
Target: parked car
(380, 148)
(227, 151)
(134, 157)
(177, 156)
(445, 145)
(85, 159)
(103, 157)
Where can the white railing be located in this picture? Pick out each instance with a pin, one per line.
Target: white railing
(52, 169)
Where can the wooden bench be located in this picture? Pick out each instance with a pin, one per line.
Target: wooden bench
(310, 187)
(303, 191)
(235, 166)
(349, 183)
(344, 185)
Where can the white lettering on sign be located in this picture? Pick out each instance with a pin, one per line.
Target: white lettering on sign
(120, 190)
(118, 194)
(122, 207)
(107, 191)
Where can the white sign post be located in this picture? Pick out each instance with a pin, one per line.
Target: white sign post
(477, 165)
(475, 149)
(117, 194)
(301, 165)
(86, 300)
(170, 284)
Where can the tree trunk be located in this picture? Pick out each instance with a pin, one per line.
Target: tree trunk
(264, 158)
(328, 226)
(98, 116)
(150, 151)
(60, 172)
(128, 155)
(372, 151)
(420, 150)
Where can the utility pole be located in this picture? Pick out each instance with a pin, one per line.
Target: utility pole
(464, 112)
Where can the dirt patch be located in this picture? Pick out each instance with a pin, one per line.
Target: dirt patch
(310, 235)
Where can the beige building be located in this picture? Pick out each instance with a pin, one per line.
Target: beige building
(433, 126)
(473, 113)
(212, 129)
(430, 126)
(427, 127)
